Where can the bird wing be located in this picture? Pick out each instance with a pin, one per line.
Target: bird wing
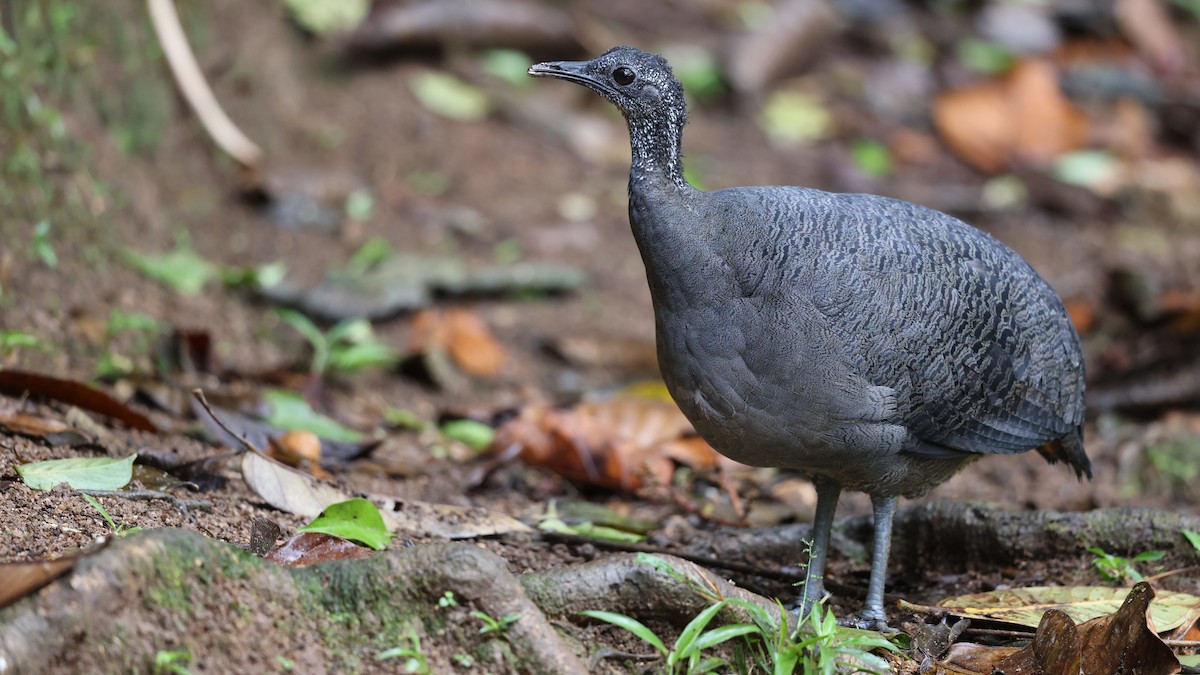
(977, 346)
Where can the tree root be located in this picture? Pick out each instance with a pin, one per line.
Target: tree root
(621, 583)
(123, 604)
(958, 534)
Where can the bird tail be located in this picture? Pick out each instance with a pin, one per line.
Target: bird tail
(1069, 449)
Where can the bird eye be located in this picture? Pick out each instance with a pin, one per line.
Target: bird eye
(624, 76)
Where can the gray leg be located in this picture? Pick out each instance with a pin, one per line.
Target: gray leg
(828, 491)
(873, 616)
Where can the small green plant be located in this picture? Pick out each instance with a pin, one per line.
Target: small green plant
(687, 654)
(348, 347)
(463, 660)
(1118, 569)
(140, 328)
(447, 600)
(494, 625)
(42, 246)
(172, 661)
(816, 645)
(120, 531)
(12, 340)
(414, 658)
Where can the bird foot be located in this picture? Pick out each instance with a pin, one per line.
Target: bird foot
(867, 621)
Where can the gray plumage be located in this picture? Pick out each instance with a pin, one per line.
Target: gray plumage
(873, 344)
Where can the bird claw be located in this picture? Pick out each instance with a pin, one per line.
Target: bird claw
(867, 621)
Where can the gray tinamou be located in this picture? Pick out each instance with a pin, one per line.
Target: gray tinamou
(871, 343)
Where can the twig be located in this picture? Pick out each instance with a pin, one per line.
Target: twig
(1171, 573)
(198, 394)
(184, 505)
(195, 88)
(704, 561)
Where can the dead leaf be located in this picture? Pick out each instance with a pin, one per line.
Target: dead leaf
(1025, 606)
(295, 492)
(1023, 118)
(52, 431)
(446, 521)
(17, 383)
(310, 548)
(1124, 641)
(463, 335)
(589, 351)
(622, 444)
(259, 434)
(23, 578)
(286, 488)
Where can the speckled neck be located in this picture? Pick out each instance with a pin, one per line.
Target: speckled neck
(657, 146)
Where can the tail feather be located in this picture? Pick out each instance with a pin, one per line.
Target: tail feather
(1069, 449)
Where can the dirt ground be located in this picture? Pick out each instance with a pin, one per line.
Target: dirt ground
(506, 180)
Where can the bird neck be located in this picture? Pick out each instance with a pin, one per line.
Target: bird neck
(657, 144)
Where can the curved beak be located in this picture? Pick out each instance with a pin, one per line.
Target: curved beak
(571, 71)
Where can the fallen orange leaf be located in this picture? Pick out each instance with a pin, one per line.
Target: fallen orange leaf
(622, 444)
(1023, 118)
(463, 335)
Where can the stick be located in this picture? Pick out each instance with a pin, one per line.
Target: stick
(195, 88)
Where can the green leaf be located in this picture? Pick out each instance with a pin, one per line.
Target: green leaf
(81, 473)
(181, 270)
(327, 16)
(1091, 169)
(310, 331)
(290, 412)
(477, 435)
(630, 624)
(985, 57)
(1193, 538)
(793, 118)
(716, 636)
(509, 65)
(373, 252)
(450, 97)
(360, 204)
(872, 157)
(685, 644)
(354, 519)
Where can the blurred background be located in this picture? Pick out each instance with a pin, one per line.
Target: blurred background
(392, 162)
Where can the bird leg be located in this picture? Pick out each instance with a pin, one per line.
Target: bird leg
(828, 491)
(873, 616)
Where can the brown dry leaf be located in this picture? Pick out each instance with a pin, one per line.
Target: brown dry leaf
(310, 548)
(1023, 118)
(23, 578)
(52, 431)
(1124, 641)
(1025, 606)
(444, 521)
(19, 383)
(622, 444)
(463, 335)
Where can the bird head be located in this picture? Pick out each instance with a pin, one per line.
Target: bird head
(640, 84)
